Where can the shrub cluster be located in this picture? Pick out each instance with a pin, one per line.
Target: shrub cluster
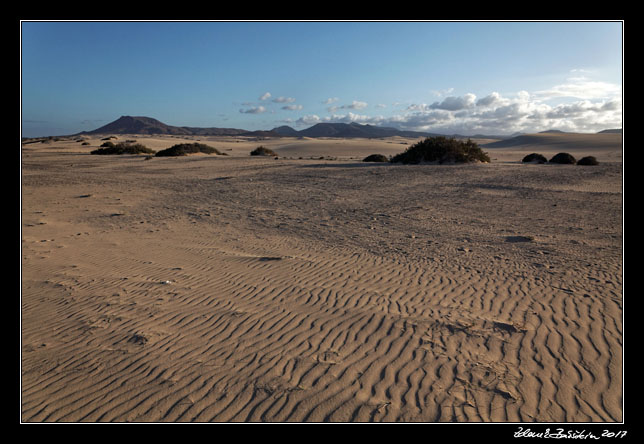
(122, 148)
(263, 151)
(588, 160)
(535, 158)
(442, 150)
(375, 158)
(561, 158)
(183, 149)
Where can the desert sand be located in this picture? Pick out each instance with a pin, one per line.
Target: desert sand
(243, 289)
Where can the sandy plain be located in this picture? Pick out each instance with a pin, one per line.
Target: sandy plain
(308, 289)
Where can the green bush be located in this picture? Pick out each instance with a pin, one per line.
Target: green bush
(263, 151)
(442, 150)
(534, 157)
(123, 148)
(563, 158)
(588, 160)
(375, 158)
(183, 149)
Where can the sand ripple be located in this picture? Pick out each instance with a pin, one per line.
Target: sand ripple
(221, 300)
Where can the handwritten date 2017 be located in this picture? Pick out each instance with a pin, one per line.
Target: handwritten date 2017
(567, 434)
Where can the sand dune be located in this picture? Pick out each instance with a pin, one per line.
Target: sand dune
(221, 289)
(606, 145)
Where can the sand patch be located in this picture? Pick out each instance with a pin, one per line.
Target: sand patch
(240, 289)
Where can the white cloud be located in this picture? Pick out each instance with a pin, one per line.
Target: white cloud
(265, 96)
(489, 100)
(330, 100)
(581, 88)
(421, 120)
(284, 100)
(418, 107)
(292, 107)
(455, 103)
(356, 104)
(352, 117)
(441, 93)
(523, 96)
(579, 104)
(496, 114)
(308, 120)
(253, 110)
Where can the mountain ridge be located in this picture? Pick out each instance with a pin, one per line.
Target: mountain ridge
(151, 126)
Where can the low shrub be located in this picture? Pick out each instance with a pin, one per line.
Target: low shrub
(442, 150)
(123, 148)
(535, 158)
(263, 151)
(183, 149)
(563, 158)
(588, 160)
(375, 158)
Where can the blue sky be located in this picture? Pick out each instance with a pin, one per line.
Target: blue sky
(447, 77)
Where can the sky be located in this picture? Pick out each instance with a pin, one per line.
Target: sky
(449, 77)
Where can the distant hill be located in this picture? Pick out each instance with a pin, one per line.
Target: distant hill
(523, 139)
(286, 131)
(611, 131)
(148, 125)
(561, 140)
(556, 131)
(136, 125)
(348, 130)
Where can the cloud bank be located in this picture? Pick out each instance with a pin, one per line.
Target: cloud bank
(577, 105)
(253, 110)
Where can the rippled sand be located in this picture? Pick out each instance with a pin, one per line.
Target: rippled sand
(231, 288)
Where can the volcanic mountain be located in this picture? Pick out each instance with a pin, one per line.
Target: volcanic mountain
(148, 125)
(348, 130)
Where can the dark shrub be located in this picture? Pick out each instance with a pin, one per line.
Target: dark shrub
(534, 157)
(563, 158)
(183, 149)
(375, 158)
(263, 151)
(442, 150)
(108, 145)
(588, 160)
(123, 148)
